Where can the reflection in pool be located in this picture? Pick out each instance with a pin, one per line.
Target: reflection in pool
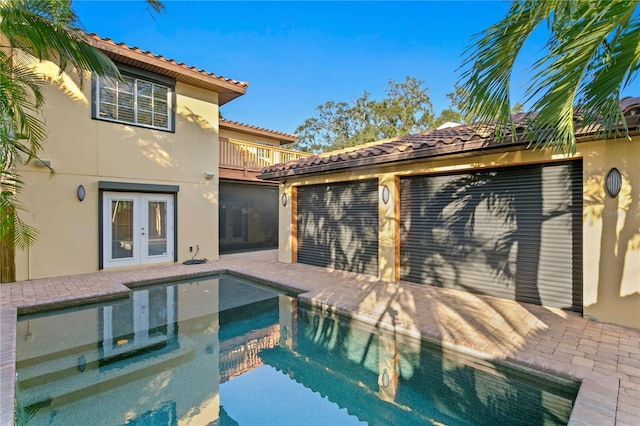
(223, 350)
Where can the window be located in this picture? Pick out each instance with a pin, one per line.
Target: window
(134, 100)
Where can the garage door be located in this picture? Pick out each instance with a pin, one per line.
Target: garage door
(514, 233)
(337, 226)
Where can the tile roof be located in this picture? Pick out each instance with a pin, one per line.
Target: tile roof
(465, 140)
(258, 131)
(227, 88)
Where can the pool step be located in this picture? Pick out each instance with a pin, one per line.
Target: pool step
(58, 366)
(43, 386)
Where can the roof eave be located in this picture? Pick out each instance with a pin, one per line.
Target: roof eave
(282, 137)
(465, 149)
(227, 90)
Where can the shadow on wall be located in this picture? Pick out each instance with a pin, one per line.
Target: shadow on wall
(337, 226)
(616, 290)
(508, 233)
(153, 147)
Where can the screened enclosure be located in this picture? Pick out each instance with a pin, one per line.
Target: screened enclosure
(248, 217)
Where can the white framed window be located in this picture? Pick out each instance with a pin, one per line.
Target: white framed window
(134, 100)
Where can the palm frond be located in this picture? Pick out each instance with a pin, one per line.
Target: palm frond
(33, 30)
(613, 73)
(13, 230)
(593, 53)
(48, 33)
(156, 6)
(489, 62)
(561, 75)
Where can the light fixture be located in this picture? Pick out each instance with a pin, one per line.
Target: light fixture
(81, 192)
(209, 175)
(43, 163)
(82, 363)
(385, 378)
(284, 199)
(613, 183)
(385, 194)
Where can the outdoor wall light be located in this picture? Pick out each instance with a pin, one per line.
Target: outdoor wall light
(284, 199)
(81, 192)
(209, 175)
(82, 363)
(613, 183)
(385, 194)
(385, 378)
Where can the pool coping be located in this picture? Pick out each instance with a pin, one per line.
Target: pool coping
(596, 402)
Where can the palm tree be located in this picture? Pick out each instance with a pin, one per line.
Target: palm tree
(32, 31)
(593, 54)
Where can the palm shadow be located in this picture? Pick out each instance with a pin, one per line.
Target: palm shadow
(613, 225)
(337, 226)
(479, 232)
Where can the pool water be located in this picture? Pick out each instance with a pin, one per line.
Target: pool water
(223, 350)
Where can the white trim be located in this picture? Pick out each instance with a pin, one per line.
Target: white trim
(139, 244)
(141, 317)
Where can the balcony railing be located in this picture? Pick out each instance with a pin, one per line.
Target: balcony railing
(240, 355)
(247, 156)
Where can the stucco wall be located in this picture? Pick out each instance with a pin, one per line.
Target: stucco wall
(84, 151)
(611, 233)
(611, 226)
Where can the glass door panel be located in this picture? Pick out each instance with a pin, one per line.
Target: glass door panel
(122, 244)
(156, 228)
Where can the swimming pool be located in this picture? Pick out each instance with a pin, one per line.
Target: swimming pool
(225, 350)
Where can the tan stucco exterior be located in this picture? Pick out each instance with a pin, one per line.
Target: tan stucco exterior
(611, 226)
(84, 151)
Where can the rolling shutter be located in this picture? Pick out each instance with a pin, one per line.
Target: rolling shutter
(337, 226)
(514, 232)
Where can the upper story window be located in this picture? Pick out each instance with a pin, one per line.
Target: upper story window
(134, 100)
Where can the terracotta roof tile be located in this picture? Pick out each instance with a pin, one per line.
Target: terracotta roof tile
(162, 58)
(235, 125)
(227, 88)
(463, 139)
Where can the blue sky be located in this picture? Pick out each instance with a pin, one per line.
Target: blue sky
(298, 55)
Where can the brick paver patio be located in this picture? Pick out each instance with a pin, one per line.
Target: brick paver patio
(604, 357)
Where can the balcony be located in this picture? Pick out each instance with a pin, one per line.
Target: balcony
(244, 160)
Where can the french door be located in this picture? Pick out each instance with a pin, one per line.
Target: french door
(147, 319)
(137, 228)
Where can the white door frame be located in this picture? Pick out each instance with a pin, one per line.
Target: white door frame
(139, 244)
